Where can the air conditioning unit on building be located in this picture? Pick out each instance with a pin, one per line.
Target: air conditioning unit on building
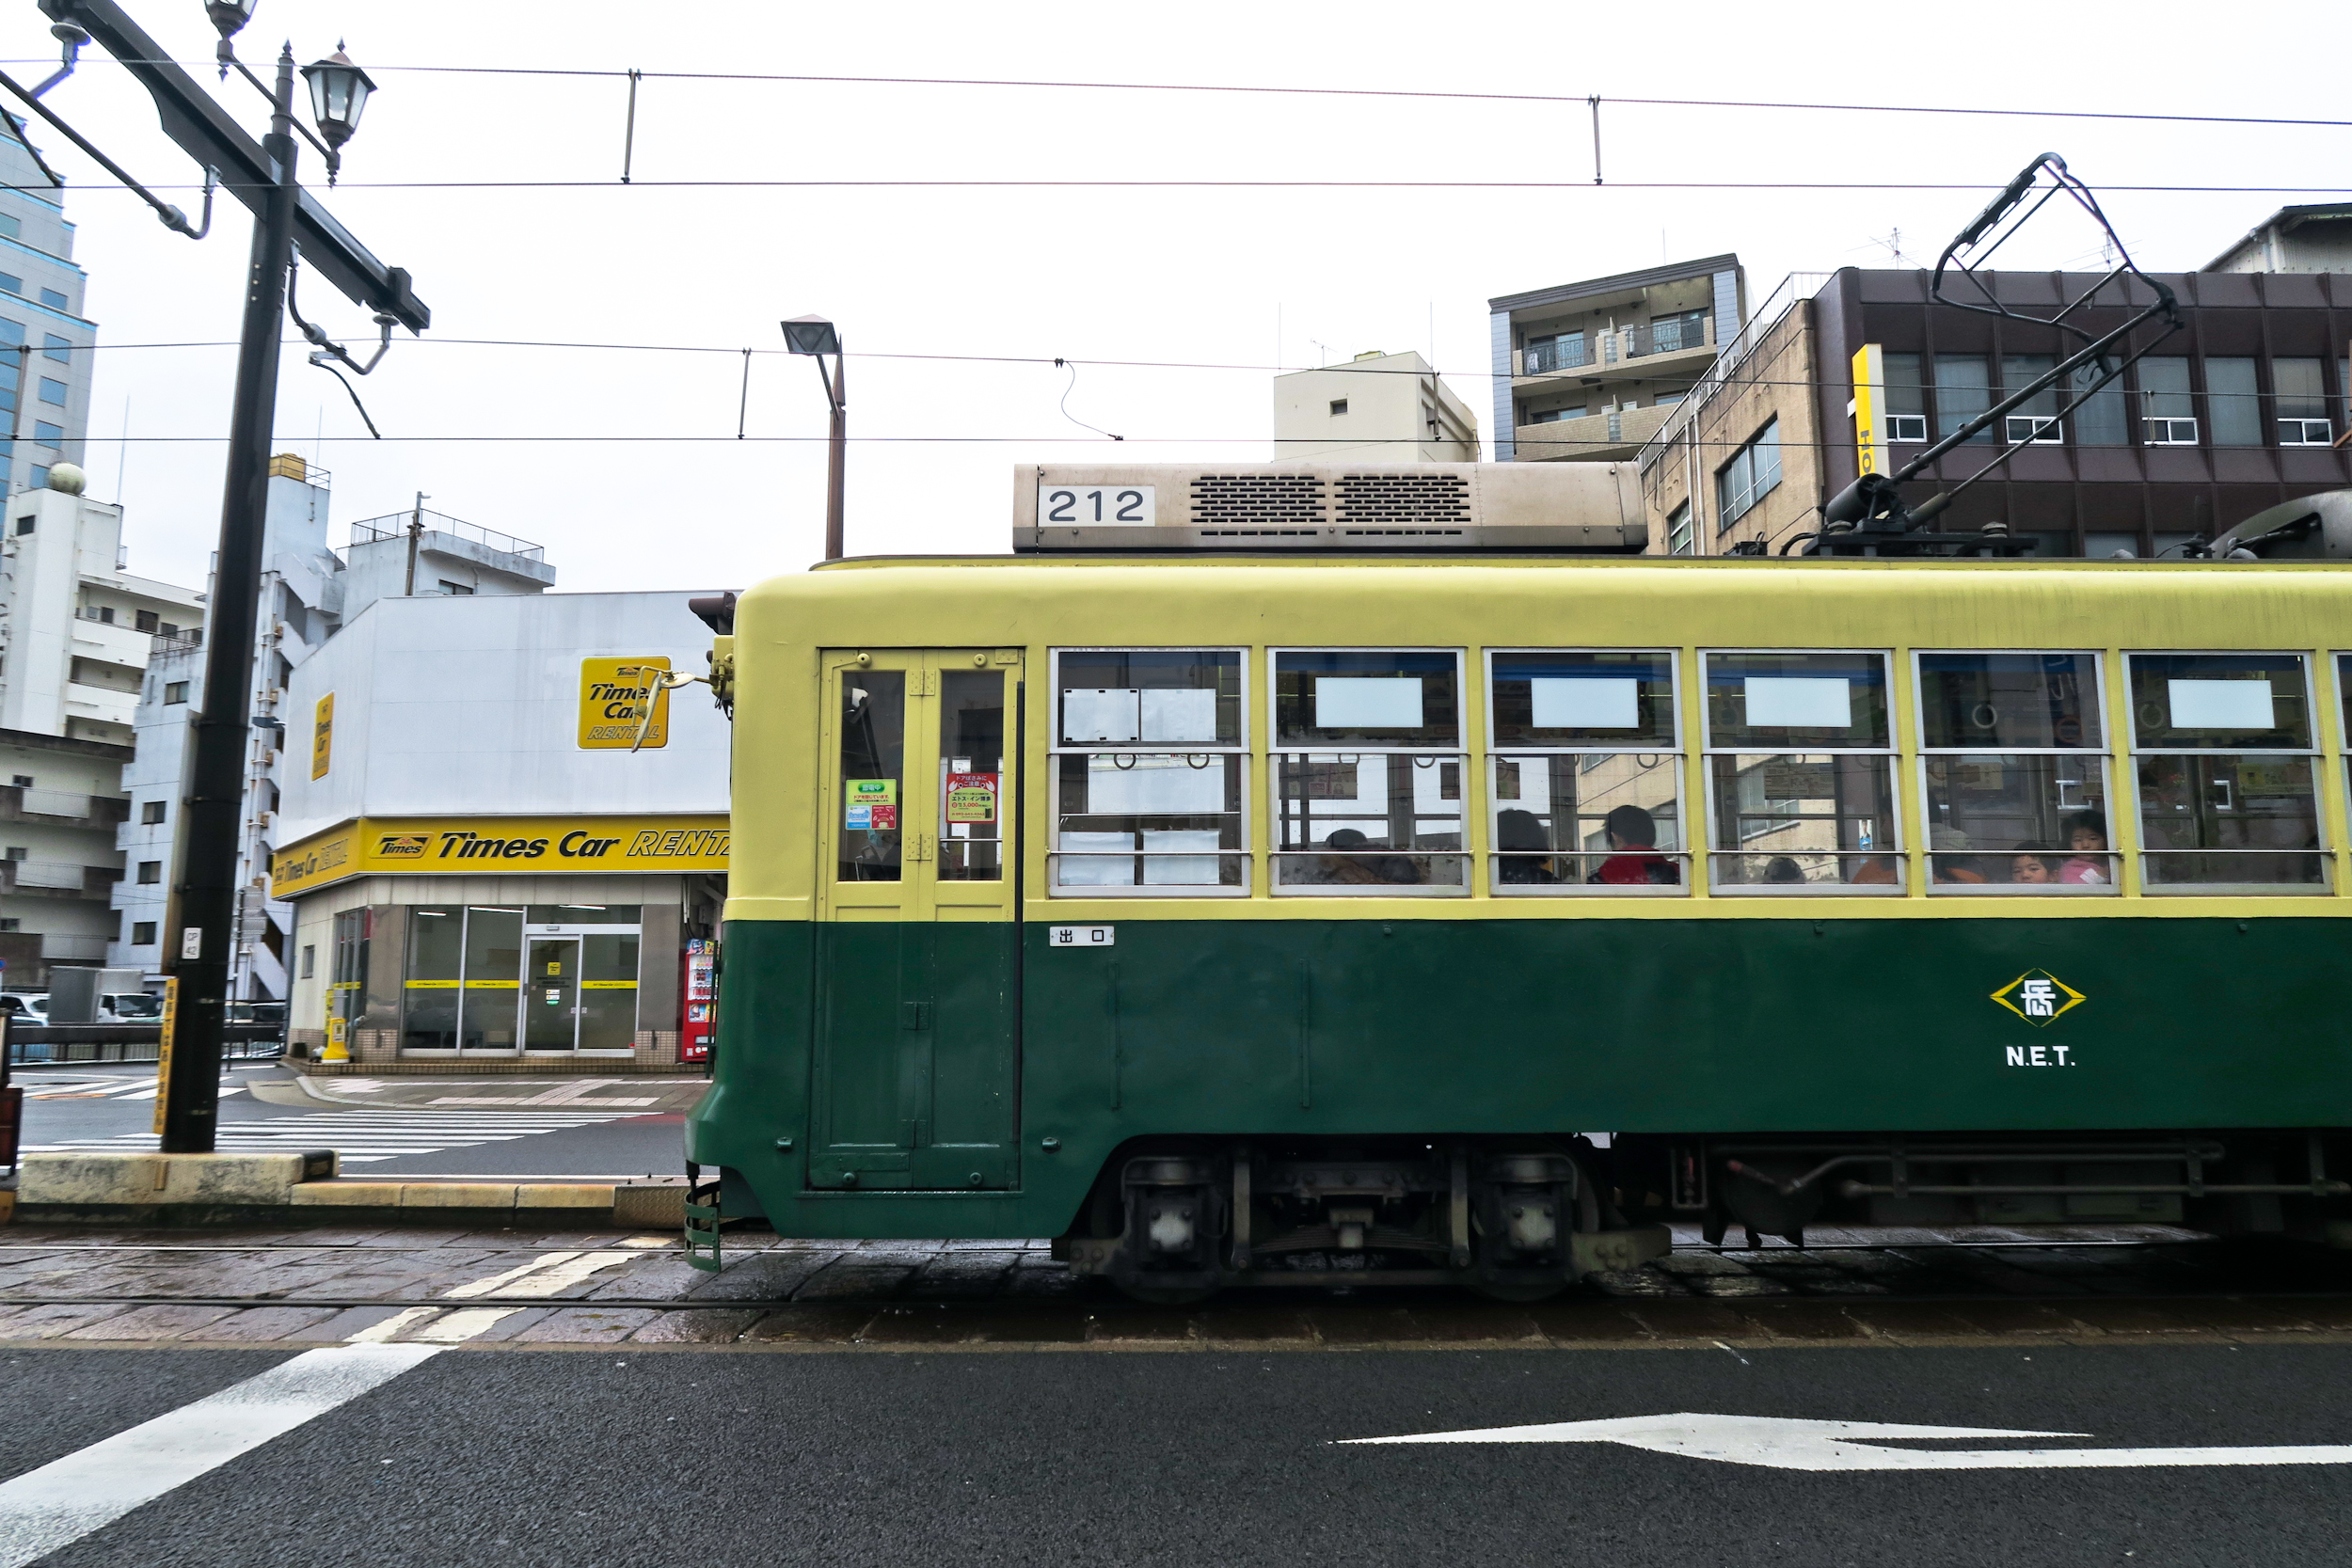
(1582, 508)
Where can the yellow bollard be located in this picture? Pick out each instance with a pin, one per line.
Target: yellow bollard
(336, 1050)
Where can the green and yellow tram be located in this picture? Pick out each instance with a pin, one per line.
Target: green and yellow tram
(1237, 919)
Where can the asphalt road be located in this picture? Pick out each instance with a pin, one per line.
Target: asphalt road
(113, 1107)
(635, 1456)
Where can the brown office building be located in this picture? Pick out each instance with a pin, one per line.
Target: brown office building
(2238, 410)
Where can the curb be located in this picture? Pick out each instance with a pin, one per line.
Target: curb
(564, 1205)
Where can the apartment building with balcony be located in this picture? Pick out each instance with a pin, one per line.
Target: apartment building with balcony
(76, 634)
(1589, 371)
(2233, 413)
(309, 592)
(1375, 408)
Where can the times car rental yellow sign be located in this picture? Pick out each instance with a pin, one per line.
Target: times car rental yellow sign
(474, 845)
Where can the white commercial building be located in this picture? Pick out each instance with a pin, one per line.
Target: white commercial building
(483, 869)
(1375, 408)
(308, 592)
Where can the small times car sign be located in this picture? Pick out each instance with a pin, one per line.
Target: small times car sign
(2039, 997)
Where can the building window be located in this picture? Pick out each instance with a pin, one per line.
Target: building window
(2231, 401)
(142, 933)
(150, 813)
(47, 434)
(11, 925)
(1752, 473)
(2167, 415)
(10, 227)
(55, 347)
(309, 962)
(149, 622)
(1339, 406)
(1685, 329)
(54, 300)
(1557, 352)
(15, 851)
(53, 392)
(38, 477)
(2015, 773)
(2035, 421)
(1368, 769)
(175, 691)
(1678, 540)
(2100, 417)
(22, 780)
(9, 281)
(1583, 787)
(1150, 767)
(24, 525)
(2227, 770)
(455, 588)
(1801, 773)
(347, 991)
(151, 872)
(1963, 390)
(1906, 412)
(2303, 404)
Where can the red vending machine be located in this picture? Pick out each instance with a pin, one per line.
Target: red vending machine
(700, 1027)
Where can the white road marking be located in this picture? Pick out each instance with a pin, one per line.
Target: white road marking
(57, 1504)
(67, 1498)
(1782, 1443)
(362, 1136)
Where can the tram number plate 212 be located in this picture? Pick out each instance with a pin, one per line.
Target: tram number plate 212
(1080, 936)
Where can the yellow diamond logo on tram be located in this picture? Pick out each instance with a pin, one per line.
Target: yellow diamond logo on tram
(2038, 996)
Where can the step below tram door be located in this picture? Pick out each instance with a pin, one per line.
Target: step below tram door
(914, 1085)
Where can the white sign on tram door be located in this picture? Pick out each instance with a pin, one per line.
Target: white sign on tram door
(1080, 936)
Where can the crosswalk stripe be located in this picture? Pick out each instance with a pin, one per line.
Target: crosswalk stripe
(362, 1135)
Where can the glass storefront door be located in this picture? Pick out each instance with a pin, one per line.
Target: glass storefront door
(551, 994)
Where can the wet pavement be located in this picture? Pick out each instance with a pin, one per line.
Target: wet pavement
(87, 1286)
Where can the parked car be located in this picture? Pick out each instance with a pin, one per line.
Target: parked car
(130, 1008)
(33, 1006)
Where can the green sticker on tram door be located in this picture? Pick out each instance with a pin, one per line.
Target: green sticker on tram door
(872, 804)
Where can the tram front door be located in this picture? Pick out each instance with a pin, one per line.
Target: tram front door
(915, 1079)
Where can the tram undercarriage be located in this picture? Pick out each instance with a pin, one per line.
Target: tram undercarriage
(1521, 1219)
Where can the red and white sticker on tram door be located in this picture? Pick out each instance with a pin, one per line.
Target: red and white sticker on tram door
(972, 797)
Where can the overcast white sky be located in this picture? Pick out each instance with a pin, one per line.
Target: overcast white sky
(1197, 274)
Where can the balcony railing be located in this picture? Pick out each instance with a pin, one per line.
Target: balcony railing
(375, 529)
(1671, 336)
(1545, 357)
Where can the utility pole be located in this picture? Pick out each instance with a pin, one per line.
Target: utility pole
(200, 934)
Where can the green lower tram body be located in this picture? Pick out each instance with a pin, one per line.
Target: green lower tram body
(1217, 1102)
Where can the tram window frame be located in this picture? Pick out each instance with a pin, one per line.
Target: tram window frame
(1589, 759)
(1887, 752)
(2312, 755)
(1378, 864)
(1237, 751)
(2101, 756)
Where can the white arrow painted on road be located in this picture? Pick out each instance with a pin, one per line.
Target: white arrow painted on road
(1784, 1443)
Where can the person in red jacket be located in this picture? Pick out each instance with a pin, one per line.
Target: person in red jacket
(1635, 861)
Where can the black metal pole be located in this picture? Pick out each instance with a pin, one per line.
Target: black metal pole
(212, 810)
(837, 456)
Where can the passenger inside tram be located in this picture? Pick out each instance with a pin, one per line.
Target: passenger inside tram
(1632, 834)
(2033, 865)
(1520, 839)
(2087, 836)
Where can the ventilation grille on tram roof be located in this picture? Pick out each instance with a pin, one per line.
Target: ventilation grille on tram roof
(1377, 498)
(1260, 498)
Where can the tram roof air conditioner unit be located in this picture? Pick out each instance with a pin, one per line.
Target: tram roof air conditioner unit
(1417, 508)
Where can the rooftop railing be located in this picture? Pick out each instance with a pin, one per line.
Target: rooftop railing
(1793, 292)
(376, 530)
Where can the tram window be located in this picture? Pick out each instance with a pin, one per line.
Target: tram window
(1579, 699)
(2226, 777)
(873, 758)
(1803, 822)
(2015, 786)
(1150, 821)
(2219, 702)
(428, 1011)
(1148, 696)
(1403, 701)
(1369, 823)
(971, 776)
(1587, 822)
(1827, 700)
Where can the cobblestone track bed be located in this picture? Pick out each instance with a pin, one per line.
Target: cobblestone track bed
(92, 1288)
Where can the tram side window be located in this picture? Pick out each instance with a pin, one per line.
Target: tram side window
(2227, 770)
(2015, 773)
(1150, 750)
(1583, 781)
(1369, 772)
(873, 767)
(1799, 773)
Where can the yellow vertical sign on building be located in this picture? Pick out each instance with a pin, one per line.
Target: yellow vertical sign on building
(1869, 409)
(323, 737)
(163, 1051)
(612, 697)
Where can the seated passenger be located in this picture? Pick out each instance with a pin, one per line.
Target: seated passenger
(1632, 834)
(1953, 869)
(2087, 836)
(2033, 865)
(1519, 837)
(1349, 867)
(1780, 869)
(1878, 871)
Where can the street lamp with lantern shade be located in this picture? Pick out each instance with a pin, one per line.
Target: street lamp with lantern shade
(816, 337)
(338, 94)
